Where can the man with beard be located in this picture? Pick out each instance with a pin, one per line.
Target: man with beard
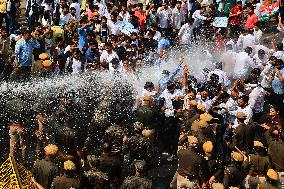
(244, 108)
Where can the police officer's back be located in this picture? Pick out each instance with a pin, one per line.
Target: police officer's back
(137, 181)
(139, 146)
(45, 170)
(233, 173)
(243, 136)
(272, 180)
(69, 179)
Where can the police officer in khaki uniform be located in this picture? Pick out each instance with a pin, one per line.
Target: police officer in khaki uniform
(233, 173)
(243, 136)
(272, 180)
(258, 164)
(274, 138)
(215, 164)
(45, 170)
(69, 178)
(137, 181)
(138, 146)
(192, 169)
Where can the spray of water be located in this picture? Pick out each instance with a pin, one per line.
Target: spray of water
(92, 88)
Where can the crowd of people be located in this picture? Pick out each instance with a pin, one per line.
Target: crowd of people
(222, 127)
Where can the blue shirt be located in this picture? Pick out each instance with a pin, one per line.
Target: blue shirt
(277, 85)
(23, 51)
(89, 55)
(163, 82)
(82, 32)
(163, 43)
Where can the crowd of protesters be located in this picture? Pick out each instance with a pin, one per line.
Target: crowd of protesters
(224, 127)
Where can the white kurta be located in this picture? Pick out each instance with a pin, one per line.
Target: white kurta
(186, 34)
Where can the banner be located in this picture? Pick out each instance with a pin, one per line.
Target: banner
(220, 22)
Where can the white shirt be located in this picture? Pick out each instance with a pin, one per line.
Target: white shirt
(243, 63)
(246, 110)
(207, 103)
(230, 105)
(177, 18)
(223, 78)
(77, 7)
(125, 17)
(186, 34)
(168, 101)
(265, 74)
(228, 60)
(198, 18)
(47, 6)
(240, 41)
(64, 19)
(260, 63)
(117, 70)
(257, 34)
(249, 41)
(234, 45)
(164, 17)
(115, 28)
(148, 93)
(76, 66)
(157, 36)
(279, 55)
(256, 99)
(108, 57)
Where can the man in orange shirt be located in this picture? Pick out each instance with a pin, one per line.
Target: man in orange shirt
(141, 16)
(251, 19)
(235, 18)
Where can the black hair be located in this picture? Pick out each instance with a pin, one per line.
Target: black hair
(245, 98)
(26, 31)
(148, 84)
(248, 50)
(279, 46)
(256, 71)
(229, 47)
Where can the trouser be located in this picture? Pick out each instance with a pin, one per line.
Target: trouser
(32, 19)
(184, 183)
(234, 30)
(174, 35)
(11, 21)
(173, 183)
(170, 135)
(2, 17)
(251, 182)
(166, 31)
(17, 133)
(281, 179)
(21, 73)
